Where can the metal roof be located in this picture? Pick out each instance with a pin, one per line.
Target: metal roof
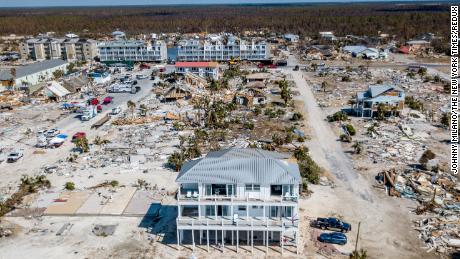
(22, 71)
(374, 92)
(241, 166)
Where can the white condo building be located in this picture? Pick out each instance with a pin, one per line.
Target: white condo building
(223, 50)
(239, 197)
(132, 51)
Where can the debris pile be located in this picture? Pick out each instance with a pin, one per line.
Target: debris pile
(438, 195)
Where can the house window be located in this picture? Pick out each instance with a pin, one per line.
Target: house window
(210, 210)
(242, 208)
(252, 187)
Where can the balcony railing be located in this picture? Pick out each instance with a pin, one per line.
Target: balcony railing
(193, 195)
(241, 222)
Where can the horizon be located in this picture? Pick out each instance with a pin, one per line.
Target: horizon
(127, 3)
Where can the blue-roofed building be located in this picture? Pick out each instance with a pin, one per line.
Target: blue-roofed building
(242, 195)
(391, 97)
(291, 37)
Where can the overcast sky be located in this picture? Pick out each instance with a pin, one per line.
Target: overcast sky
(35, 3)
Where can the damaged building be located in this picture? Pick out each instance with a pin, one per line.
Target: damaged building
(368, 102)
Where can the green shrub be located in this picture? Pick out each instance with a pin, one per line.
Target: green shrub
(297, 116)
(346, 79)
(248, 125)
(257, 110)
(69, 186)
(345, 138)
(338, 116)
(309, 170)
(413, 103)
(350, 129)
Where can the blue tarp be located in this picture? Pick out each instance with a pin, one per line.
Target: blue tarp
(64, 136)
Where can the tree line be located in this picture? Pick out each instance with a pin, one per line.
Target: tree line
(404, 21)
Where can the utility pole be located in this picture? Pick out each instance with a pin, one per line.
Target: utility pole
(357, 237)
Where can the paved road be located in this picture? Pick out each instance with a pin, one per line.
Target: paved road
(431, 68)
(324, 145)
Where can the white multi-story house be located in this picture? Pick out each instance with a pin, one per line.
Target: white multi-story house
(203, 69)
(239, 197)
(68, 48)
(231, 48)
(367, 102)
(132, 51)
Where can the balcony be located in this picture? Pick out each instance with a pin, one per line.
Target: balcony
(242, 223)
(193, 195)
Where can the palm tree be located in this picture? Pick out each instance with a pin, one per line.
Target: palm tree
(358, 147)
(361, 254)
(143, 109)
(82, 144)
(324, 86)
(381, 111)
(131, 107)
(285, 92)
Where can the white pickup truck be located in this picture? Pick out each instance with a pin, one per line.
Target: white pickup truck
(121, 88)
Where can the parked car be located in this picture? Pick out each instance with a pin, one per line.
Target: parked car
(78, 135)
(99, 109)
(296, 68)
(14, 156)
(52, 133)
(115, 111)
(333, 238)
(332, 223)
(272, 66)
(93, 101)
(140, 77)
(107, 100)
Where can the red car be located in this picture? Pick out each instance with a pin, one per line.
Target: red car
(107, 100)
(94, 101)
(78, 135)
(99, 109)
(144, 65)
(272, 66)
(260, 65)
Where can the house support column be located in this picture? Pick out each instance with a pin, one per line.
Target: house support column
(296, 233)
(178, 239)
(193, 237)
(237, 237)
(232, 237)
(252, 237)
(282, 240)
(223, 240)
(201, 235)
(266, 241)
(207, 236)
(247, 237)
